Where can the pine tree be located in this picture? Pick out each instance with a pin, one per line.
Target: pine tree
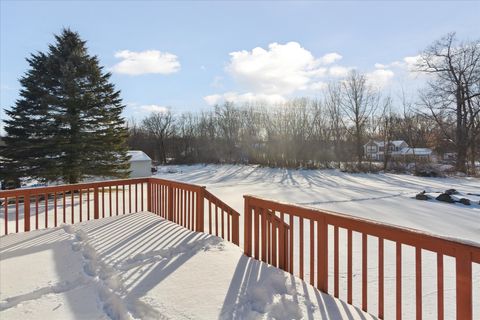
(67, 123)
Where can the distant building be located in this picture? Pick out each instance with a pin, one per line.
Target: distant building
(396, 149)
(140, 164)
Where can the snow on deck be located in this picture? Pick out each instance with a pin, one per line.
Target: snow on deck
(142, 266)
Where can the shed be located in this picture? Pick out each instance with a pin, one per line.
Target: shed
(140, 164)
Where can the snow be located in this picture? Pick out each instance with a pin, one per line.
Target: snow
(140, 266)
(145, 267)
(138, 155)
(383, 197)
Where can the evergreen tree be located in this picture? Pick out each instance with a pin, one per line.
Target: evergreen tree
(67, 123)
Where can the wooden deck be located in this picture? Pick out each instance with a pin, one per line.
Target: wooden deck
(140, 265)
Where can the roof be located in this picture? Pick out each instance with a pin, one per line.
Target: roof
(417, 151)
(138, 155)
(2, 143)
(396, 143)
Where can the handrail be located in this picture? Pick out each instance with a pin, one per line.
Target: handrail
(180, 202)
(262, 245)
(231, 225)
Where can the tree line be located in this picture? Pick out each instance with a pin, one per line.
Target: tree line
(306, 132)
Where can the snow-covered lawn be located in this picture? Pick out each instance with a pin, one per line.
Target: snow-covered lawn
(383, 197)
(142, 266)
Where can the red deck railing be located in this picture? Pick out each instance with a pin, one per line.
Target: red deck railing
(293, 238)
(182, 203)
(266, 239)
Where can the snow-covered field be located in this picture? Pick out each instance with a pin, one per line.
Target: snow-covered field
(120, 254)
(140, 266)
(383, 197)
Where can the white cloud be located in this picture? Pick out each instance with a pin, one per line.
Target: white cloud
(143, 62)
(380, 77)
(279, 70)
(411, 62)
(318, 86)
(330, 58)
(241, 98)
(339, 71)
(146, 108)
(153, 108)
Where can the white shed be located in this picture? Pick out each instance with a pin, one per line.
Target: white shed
(140, 164)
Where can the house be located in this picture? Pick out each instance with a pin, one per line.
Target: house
(140, 164)
(396, 149)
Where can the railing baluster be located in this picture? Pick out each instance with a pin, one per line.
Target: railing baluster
(216, 220)
(312, 252)
(6, 214)
(256, 234)
(46, 210)
(223, 223)
(88, 203)
(72, 205)
(103, 202)
(263, 233)
(116, 200)
(141, 196)
(228, 225)
(210, 217)
(418, 282)
(380, 278)
(440, 294)
(16, 214)
(349, 267)
(36, 211)
(55, 208)
(136, 197)
(292, 242)
(26, 212)
(399, 281)
(335, 262)
(274, 238)
(123, 198)
(364, 273)
(301, 248)
(129, 198)
(64, 205)
(80, 202)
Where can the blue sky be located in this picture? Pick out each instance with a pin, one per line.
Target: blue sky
(190, 55)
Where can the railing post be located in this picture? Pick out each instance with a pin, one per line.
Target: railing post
(95, 203)
(170, 202)
(323, 255)
(149, 195)
(247, 240)
(235, 228)
(464, 284)
(200, 209)
(26, 212)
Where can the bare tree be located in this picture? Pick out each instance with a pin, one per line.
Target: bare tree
(359, 102)
(454, 88)
(159, 125)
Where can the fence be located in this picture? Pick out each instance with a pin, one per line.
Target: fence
(275, 233)
(181, 203)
